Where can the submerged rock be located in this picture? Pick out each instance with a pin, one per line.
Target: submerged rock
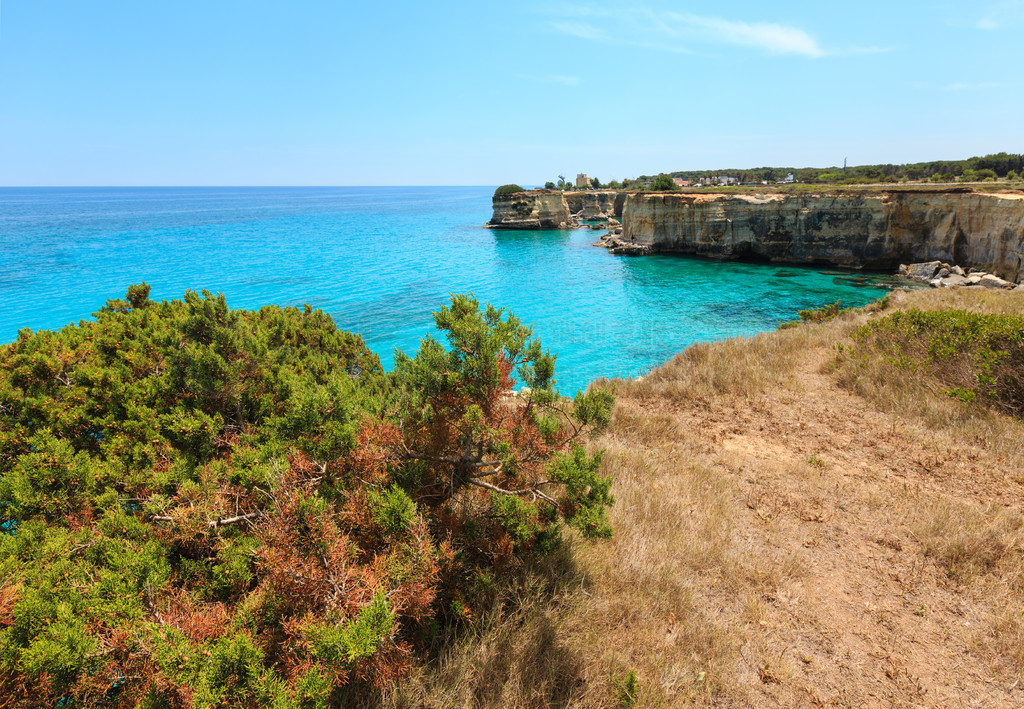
(625, 248)
(619, 247)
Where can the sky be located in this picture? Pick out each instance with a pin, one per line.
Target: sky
(304, 92)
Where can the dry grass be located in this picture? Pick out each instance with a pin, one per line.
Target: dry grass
(786, 534)
(968, 541)
(920, 398)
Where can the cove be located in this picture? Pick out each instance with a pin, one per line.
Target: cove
(380, 260)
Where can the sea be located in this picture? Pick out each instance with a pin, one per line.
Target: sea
(380, 260)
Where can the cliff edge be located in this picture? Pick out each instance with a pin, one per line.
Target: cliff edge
(853, 229)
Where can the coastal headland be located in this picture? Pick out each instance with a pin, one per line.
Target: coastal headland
(871, 229)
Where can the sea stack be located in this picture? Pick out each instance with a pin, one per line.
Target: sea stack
(531, 209)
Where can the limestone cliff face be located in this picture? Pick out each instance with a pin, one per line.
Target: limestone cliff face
(532, 209)
(854, 229)
(596, 204)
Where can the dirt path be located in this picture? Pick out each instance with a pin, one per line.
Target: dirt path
(868, 617)
(843, 504)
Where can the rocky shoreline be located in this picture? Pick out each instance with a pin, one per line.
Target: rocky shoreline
(944, 275)
(875, 230)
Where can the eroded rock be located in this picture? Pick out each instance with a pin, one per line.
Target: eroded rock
(531, 209)
(874, 229)
(995, 282)
(924, 271)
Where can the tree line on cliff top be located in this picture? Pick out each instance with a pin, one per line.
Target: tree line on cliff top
(202, 506)
(976, 169)
(995, 166)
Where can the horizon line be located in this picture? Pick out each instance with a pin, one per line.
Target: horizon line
(61, 187)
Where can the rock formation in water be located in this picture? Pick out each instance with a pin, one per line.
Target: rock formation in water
(532, 209)
(594, 205)
(852, 229)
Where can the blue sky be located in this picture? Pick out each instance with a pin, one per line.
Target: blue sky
(224, 92)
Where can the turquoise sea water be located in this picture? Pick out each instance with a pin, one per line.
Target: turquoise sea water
(380, 260)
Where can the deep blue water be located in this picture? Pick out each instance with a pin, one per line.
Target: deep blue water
(380, 260)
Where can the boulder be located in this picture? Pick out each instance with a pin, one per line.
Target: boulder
(924, 271)
(626, 248)
(954, 280)
(990, 281)
(958, 271)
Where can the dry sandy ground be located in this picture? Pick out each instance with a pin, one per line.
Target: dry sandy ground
(789, 532)
(787, 543)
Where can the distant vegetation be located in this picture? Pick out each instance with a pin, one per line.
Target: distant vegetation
(990, 167)
(663, 183)
(208, 507)
(1008, 166)
(507, 189)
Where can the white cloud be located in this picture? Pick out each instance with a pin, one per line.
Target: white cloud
(768, 36)
(1002, 14)
(640, 26)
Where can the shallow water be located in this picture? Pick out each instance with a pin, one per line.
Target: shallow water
(380, 260)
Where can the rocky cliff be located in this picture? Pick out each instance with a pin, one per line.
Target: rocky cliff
(595, 205)
(852, 229)
(532, 209)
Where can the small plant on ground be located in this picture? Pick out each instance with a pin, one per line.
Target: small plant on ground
(824, 313)
(626, 690)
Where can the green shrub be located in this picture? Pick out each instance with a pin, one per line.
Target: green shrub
(507, 190)
(664, 183)
(824, 313)
(214, 507)
(973, 357)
